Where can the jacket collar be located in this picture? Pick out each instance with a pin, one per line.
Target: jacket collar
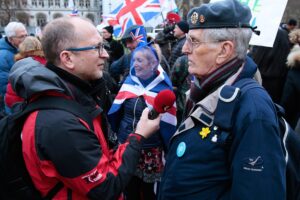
(74, 80)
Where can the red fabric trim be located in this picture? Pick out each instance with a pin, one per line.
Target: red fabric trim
(45, 175)
(42, 182)
(11, 96)
(137, 136)
(40, 59)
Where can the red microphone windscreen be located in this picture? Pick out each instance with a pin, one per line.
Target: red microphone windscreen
(164, 101)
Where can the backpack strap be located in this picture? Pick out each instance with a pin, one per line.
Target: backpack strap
(54, 191)
(60, 103)
(228, 99)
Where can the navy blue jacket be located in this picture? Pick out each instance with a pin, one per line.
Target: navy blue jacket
(205, 162)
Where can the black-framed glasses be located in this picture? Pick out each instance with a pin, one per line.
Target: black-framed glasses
(192, 43)
(99, 47)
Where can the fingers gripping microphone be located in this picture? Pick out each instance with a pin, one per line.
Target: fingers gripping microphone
(162, 103)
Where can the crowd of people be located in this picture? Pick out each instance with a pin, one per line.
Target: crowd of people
(184, 153)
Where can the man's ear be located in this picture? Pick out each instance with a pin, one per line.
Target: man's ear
(67, 59)
(226, 52)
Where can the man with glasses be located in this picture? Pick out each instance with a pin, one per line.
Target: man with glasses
(59, 147)
(228, 146)
(15, 34)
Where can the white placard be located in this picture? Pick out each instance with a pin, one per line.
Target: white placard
(266, 15)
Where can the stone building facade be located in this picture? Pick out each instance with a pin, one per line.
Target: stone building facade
(34, 13)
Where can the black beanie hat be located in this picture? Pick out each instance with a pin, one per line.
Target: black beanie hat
(109, 29)
(183, 26)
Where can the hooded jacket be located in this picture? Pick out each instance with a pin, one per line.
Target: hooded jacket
(7, 52)
(60, 147)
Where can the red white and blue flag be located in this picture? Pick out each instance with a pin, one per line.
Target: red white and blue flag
(132, 12)
(133, 88)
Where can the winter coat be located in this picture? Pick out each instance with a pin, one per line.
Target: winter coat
(291, 93)
(115, 50)
(176, 52)
(7, 52)
(11, 98)
(58, 146)
(271, 62)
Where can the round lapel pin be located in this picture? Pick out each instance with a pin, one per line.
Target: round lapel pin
(181, 149)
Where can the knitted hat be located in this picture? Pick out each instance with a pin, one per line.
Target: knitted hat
(183, 26)
(109, 29)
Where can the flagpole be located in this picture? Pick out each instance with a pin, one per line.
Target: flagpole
(161, 13)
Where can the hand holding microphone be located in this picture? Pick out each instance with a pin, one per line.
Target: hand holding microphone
(149, 122)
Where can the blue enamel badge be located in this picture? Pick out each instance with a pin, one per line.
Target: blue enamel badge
(181, 149)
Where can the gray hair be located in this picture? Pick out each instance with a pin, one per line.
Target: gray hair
(10, 29)
(239, 36)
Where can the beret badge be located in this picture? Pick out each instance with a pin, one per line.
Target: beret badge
(202, 19)
(194, 18)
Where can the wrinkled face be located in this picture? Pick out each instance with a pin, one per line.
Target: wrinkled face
(16, 40)
(89, 64)
(106, 34)
(201, 54)
(143, 68)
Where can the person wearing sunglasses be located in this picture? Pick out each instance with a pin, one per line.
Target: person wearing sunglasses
(228, 146)
(59, 147)
(15, 34)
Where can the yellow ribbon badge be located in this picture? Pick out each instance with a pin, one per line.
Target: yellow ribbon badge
(204, 132)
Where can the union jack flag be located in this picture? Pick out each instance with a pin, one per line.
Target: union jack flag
(133, 88)
(74, 12)
(132, 12)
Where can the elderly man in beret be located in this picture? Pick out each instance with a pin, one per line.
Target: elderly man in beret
(228, 146)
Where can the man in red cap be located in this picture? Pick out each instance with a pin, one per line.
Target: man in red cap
(165, 39)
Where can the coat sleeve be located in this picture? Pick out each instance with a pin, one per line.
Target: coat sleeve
(81, 158)
(257, 164)
(289, 99)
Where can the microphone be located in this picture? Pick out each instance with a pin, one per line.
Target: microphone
(162, 103)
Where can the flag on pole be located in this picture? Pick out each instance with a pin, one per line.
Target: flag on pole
(74, 12)
(126, 13)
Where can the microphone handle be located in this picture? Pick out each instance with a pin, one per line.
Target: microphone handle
(153, 114)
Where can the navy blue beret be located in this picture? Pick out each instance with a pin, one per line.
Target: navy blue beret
(220, 14)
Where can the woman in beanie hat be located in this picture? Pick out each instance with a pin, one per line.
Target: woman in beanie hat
(184, 27)
(181, 28)
(30, 48)
(114, 48)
